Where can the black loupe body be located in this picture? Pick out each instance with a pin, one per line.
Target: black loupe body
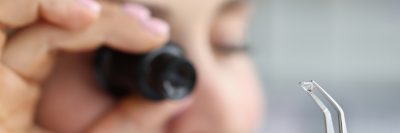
(161, 74)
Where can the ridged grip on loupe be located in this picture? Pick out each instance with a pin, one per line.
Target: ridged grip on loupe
(162, 74)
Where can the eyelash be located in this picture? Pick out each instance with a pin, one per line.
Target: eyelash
(228, 49)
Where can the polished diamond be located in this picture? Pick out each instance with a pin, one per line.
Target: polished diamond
(307, 86)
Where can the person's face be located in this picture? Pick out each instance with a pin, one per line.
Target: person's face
(227, 97)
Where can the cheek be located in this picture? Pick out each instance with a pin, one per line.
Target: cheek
(245, 100)
(227, 99)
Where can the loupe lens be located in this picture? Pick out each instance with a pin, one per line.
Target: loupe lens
(158, 75)
(171, 77)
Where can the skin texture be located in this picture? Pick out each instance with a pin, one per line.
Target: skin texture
(47, 81)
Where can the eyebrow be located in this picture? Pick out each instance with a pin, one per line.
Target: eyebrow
(238, 1)
(233, 3)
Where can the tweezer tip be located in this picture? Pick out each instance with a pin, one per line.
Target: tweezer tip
(307, 85)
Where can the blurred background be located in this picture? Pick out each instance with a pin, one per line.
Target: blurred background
(350, 47)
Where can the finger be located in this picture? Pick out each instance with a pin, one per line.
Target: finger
(66, 13)
(15, 13)
(17, 101)
(73, 14)
(36, 129)
(31, 52)
(72, 85)
(140, 115)
(2, 41)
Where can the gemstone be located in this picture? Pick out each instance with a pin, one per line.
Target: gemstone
(307, 86)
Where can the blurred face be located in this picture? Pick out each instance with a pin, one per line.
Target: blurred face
(227, 97)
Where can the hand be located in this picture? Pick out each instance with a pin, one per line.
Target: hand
(19, 13)
(41, 50)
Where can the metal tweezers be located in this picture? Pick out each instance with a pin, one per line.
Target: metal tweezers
(311, 87)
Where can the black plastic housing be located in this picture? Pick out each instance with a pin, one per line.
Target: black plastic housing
(161, 74)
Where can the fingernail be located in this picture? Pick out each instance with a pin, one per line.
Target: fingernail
(138, 11)
(143, 14)
(157, 26)
(91, 4)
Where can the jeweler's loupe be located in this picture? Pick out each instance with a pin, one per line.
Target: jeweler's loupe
(161, 74)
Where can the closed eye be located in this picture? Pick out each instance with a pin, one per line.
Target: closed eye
(228, 49)
(229, 28)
